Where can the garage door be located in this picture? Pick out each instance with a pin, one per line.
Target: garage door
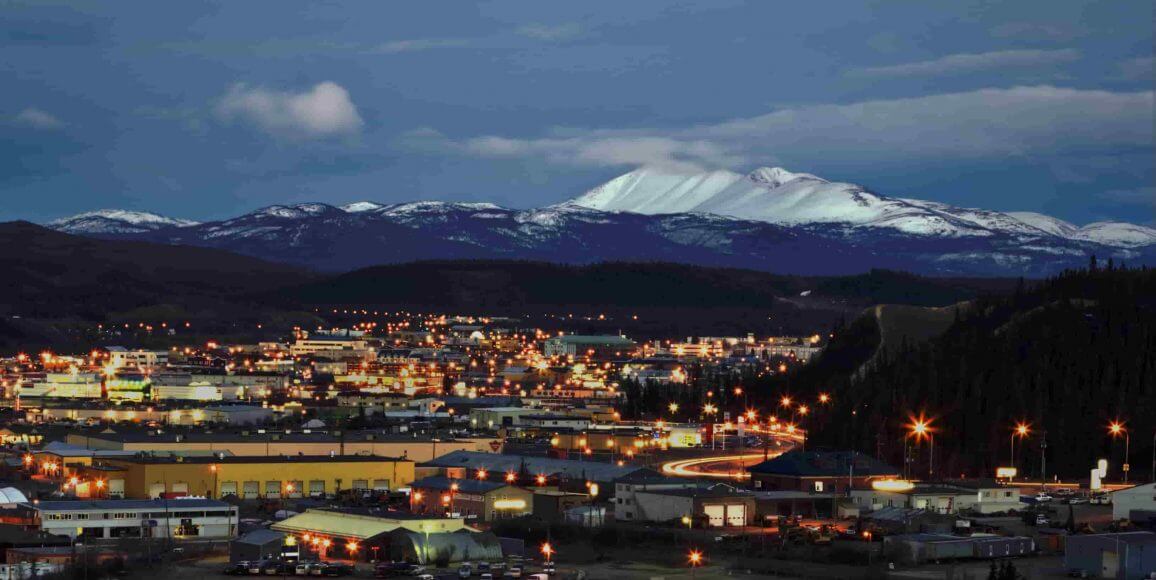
(116, 488)
(156, 489)
(716, 515)
(736, 515)
(250, 489)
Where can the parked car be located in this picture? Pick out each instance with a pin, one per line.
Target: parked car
(465, 570)
(1043, 497)
(236, 569)
(1077, 499)
(1101, 499)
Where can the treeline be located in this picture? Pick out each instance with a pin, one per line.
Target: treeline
(1067, 356)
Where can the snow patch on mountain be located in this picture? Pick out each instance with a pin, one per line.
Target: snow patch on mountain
(117, 221)
(1118, 234)
(361, 206)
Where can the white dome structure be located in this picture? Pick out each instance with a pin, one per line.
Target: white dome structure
(12, 496)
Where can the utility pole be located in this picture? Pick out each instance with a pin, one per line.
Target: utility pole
(1043, 458)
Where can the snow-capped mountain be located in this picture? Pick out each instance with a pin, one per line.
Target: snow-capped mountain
(769, 219)
(117, 221)
(775, 195)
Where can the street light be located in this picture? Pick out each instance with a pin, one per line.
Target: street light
(1021, 430)
(695, 559)
(673, 407)
(921, 429)
(824, 398)
(547, 551)
(1116, 428)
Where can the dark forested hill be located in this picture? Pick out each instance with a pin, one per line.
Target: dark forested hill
(645, 300)
(1067, 356)
(52, 274)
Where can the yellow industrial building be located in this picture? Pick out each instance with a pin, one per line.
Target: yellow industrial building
(274, 442)
(252, 477)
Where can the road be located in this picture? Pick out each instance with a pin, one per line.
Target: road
(716, 466)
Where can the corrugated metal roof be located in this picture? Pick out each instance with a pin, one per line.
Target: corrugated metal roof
(358, 526)
(824, 464)
(131, 504)
(496, 463)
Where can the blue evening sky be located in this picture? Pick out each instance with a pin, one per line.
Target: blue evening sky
(207, 110)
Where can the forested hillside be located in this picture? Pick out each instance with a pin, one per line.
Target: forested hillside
(1068, 356)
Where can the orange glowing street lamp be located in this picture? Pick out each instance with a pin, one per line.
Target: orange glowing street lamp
(1021, 430)
(920, 428)
(785, 401)
(824, 398)
(695, 559)
(482, 474)
(1116, 429)
(547, 551)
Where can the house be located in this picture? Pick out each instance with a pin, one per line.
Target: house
(1133, 499)
(819, 471)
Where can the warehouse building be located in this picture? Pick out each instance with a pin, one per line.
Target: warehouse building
(117, 519)
(713, 506)
(254, 442)
(381, 535)
(255, 477)
(922, 548)
(1124, 556)
(1138, 498)
(596, 347)
(526, 469)
(819, 471)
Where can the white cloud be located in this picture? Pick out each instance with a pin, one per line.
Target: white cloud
(984, 123)
(627, 150)
(322, 111)
(420, 44)
(967, 62)
(551, 32)
(38, 119)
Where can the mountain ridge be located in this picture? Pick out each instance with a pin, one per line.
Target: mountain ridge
(769, 219)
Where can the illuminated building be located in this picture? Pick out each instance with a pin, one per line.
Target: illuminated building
(116, 519)
(472, 499)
